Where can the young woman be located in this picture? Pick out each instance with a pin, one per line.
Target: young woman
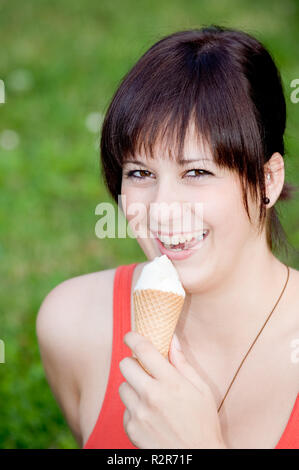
(214, 97)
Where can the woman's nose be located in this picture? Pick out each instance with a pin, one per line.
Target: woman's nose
(166, 191)
(166, 210)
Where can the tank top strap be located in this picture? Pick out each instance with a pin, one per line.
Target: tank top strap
(122, 309)
(290, 436)
(108, 432)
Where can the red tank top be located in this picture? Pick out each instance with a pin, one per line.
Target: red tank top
(108, 432)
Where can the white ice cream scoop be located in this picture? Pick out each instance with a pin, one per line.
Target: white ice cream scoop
(158, 299)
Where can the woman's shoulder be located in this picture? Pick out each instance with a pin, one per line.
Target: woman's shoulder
(286, 329)
(294, 273)
(78, 311)
(293, 297)
(72, 320)
(73, 298)
(70, 312)
(288, 321)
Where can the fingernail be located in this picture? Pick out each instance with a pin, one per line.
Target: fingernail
(176, 342)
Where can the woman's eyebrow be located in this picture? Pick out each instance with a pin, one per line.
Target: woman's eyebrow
(134, 161)
(181, 162)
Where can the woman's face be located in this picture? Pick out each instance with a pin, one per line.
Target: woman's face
(231, 237)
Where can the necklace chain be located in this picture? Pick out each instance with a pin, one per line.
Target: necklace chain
(229, 387)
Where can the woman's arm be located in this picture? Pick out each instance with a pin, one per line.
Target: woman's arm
(58, 344)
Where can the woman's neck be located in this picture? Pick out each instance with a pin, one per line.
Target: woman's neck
(230, 314)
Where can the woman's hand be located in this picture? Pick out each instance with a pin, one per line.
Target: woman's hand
(173, 408)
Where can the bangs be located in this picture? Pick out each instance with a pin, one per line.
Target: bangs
(167, 142)
(200, 95)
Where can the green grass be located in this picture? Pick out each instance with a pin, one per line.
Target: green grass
(75, 54)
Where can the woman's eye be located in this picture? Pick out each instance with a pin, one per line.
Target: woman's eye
(130, 174)
(203, 172)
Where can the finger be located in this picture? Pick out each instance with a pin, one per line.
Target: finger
(157, 365)
(128, 396)
(135, 375)
(183, 366)
(126, 419)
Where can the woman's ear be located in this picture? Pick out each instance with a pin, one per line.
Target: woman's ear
(274, 177)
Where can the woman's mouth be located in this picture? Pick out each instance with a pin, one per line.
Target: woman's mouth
(182, 250)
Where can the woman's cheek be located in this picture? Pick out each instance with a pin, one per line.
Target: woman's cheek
(135, 212)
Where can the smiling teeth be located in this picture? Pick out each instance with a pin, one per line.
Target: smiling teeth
(175, 240)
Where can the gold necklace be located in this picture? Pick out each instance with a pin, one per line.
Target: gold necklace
(255, 340)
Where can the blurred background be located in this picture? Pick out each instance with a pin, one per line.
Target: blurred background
(61, 61)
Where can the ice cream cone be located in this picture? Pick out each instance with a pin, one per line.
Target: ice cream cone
(157, 310)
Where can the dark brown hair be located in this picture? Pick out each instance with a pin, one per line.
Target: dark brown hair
(228, 84)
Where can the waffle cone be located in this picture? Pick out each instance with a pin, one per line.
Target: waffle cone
(156, 316)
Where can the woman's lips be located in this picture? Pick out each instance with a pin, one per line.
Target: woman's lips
(183, 254)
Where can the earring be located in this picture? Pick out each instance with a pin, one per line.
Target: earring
(268, 176)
